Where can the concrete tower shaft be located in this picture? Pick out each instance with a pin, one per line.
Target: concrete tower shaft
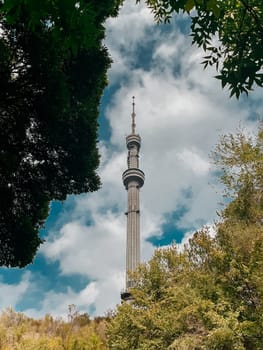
(133, 180)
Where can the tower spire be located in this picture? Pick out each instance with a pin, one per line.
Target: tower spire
(133, 115)
(133, 180)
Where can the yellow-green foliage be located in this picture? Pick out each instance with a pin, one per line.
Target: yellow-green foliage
(210, 294)
(19, 332)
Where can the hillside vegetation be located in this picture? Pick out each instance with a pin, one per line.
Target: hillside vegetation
(19, 332)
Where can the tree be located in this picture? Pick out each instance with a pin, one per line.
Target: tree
(231, 31)
(240, 158)
(53, 71)
(209, 295)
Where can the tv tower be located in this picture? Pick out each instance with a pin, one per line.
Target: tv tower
(133, 180)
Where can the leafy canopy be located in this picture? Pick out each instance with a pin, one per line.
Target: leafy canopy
(230, 31)
(53, 71)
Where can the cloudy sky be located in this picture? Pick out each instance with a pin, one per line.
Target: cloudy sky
(181, 112)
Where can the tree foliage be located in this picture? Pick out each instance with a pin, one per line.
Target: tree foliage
(210, 294)
(53, 70)
(19, 332)
(230, 31)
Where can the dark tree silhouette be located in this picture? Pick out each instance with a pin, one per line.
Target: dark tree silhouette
(53, 71)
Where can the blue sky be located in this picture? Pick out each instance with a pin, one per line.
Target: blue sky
(181, 112)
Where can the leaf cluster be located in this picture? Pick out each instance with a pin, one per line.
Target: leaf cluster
(231, 33)
(240, 159)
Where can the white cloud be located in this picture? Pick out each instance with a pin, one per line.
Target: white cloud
(94, 251)
(194, 162)
(12, 294)
(125, 34)
(57, 304)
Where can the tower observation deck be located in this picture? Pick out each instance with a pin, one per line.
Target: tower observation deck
(133, 180)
